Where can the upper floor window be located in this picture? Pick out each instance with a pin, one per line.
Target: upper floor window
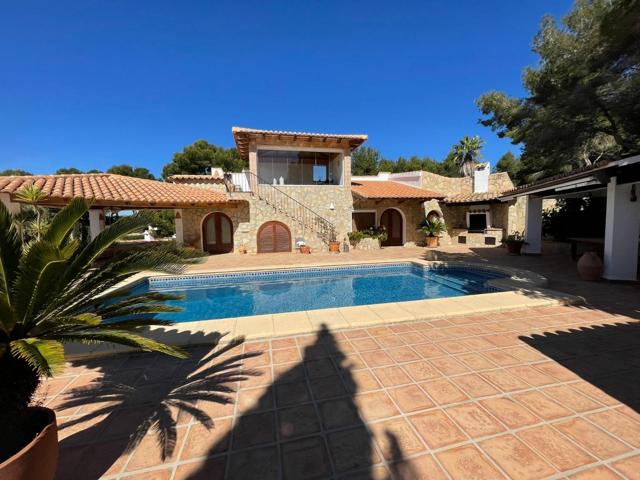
(293, 167)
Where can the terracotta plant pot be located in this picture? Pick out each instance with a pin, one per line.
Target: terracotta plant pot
(39, 459)
(514, 247)
(590, 266)
(305, 249)
(432, 242)
(334, 247)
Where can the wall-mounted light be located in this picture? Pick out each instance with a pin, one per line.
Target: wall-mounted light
(332, 206)
(633, 197)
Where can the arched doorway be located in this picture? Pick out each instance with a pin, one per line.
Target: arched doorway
(217, 233)
(392, 220)
(274, 237)
(433, 215)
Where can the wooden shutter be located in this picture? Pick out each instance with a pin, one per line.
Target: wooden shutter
(274, 237)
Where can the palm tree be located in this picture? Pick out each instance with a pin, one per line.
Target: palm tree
(466, 154)
(33, 195)
(52, 293)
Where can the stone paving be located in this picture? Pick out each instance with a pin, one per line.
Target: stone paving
(549, 392)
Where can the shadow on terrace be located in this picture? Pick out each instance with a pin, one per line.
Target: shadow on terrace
(304, 424)
(606, 356)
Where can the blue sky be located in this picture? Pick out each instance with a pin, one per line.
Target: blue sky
(95, 83)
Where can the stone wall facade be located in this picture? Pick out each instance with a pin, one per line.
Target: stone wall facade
(412, 214)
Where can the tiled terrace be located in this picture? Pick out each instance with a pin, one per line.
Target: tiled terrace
(541, 393)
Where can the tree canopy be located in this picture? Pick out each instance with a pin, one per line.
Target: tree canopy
(68, 171)
(198, 158)
(509, 163)
(583, 102)
(14, 172)
(129, 171)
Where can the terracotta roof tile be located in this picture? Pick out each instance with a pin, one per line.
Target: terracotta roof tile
(105, 189)
(195, 178)
(472, 197)
(387, 189)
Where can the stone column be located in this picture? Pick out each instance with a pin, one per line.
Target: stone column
(533, 226)
(13, 207)
(96, 222)
(179, 227)
(253, 165)
(346, 169)
(621, 232)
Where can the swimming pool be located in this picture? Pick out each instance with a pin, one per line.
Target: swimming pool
(224, 295)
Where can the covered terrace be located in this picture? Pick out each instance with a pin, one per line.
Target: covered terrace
(619, 181)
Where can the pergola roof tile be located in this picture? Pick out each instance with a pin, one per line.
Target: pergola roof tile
(110, 190)
(472, 197)
(381, 189)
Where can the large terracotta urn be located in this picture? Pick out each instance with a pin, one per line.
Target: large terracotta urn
(431, 241)
(39, 459)
(590, 266)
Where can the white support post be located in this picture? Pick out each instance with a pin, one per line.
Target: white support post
(621, 232)
(96, 222)
(179, 227)
(13, 207)
(533, 226)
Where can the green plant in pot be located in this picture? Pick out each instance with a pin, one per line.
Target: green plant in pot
(433, 228)
(52, 293)
(514, 243)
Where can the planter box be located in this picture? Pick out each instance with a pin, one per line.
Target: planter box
(367, 244)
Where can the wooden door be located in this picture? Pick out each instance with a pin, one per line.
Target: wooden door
(392, 221)
(274, 237)
(217, 233)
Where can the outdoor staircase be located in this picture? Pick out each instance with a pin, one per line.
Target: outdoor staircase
(281, 202)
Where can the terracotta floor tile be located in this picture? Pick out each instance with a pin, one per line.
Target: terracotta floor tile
(322, 367)
(515, 458)
(557, 371)
(452, 346)
(262, 463)
(428, 350)
(164, 474)
(478, 344)
(630, 467)
(259, 360)
(375, 405)
(283, 343)
(465, 463)
(338, 413)
(292, 393)
(532, 376)
(505, 381)
(619, 424)
(306, 458)
(413, 338)
(254, 429)
(298, 421)
(443, 392)
(351, 449)
(410, 398)
(256, 346)
(396, 438)
(263, 377)
(596, 473)
(476, 361)
(147, 453)
(391, 376)
(203, 442)
(387, 341)
(512, 414)
(421, 370)
(364, 344)
(595, 393)
(449, 365)
(525, 354)
(361, 381)
(379, 331)
(376, 358)
(591, 438)
(555, 448)
(403, 354)
(423, 467)
(542, 405)
(567, 396)
(327, 387)
(211, 469)
(255, 399)
(501, 358)
(474, 420)
(286, 355)
(351, 362)
(474, 385)
(288, 372)
(436, 429)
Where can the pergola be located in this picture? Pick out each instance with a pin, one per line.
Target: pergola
(109, 191)
(619, 180)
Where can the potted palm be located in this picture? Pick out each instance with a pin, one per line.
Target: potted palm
(514, 243)
(52, 293)
(433, 229)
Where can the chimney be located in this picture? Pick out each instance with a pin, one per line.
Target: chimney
(481, 178)
(217, 172)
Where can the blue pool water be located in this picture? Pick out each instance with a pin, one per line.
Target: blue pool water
(255, 293)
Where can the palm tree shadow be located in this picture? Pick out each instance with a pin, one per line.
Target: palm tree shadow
(305, 424)
(127, 404)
